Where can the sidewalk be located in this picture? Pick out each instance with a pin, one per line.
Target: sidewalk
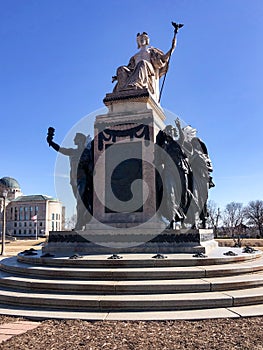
(8, 330)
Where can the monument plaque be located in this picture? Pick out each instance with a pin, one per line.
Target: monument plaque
(121, 179)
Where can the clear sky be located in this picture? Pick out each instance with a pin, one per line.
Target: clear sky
(58, 56)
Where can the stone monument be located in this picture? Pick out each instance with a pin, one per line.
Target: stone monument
(143, 185)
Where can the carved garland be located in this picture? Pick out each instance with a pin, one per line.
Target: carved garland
(139, 131)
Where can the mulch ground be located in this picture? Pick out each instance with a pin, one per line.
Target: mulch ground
(220, 334)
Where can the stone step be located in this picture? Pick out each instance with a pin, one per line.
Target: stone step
(141, 260)
(37, 314)
(131, 287)
(122, 292)
(12, 266)
(150, 302)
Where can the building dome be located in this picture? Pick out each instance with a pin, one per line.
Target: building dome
(9, 182)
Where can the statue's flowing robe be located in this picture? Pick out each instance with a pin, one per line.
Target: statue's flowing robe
(144, 73)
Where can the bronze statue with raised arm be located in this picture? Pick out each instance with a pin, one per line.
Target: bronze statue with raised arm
(81, 173)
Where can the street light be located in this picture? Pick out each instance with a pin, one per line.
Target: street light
(4, 195)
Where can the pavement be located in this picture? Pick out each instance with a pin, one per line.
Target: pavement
(8, 330)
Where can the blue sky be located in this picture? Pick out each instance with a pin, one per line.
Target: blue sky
(58, 56)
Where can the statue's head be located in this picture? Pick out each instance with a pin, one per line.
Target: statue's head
(80, 139)
(170, 132)
(189, 132)
(142, 39)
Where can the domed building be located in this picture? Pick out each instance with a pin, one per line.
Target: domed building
(28, 216)
(11, 186)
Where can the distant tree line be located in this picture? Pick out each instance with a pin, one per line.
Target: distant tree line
(236, 219)
(233, 221)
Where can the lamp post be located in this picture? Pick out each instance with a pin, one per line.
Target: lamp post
(4, 195)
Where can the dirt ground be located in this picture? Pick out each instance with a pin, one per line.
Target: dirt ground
(220, 334)
(252, 242)
(15, 247)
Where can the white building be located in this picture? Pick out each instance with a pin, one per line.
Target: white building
(29, 216)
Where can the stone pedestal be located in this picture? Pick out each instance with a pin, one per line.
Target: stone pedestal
(124, 181)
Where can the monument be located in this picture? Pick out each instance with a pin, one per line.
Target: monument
(140, 186)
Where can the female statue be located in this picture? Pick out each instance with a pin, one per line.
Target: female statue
(145, 68)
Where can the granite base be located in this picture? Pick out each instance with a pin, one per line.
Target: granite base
(130, 240)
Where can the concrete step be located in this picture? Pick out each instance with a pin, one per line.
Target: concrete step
(43, 314)
(12, 266)
(131, 287)
(131, 292)
(153, 302)
(141, 260)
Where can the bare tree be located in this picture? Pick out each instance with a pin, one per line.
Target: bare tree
(214, 215)
(254, 214)
(70, 223)
(233, 217)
